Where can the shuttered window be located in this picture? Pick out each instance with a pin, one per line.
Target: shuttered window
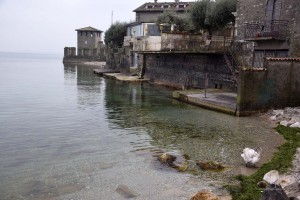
(273, 10)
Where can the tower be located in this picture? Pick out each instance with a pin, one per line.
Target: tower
(88, 39)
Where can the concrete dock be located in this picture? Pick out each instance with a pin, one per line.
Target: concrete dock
(100, 72)
(216, 99)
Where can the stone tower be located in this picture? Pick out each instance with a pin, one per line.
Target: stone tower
(88, 39)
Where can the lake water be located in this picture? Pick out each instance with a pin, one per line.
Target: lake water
(67, 133)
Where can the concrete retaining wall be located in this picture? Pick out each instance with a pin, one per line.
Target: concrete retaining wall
(188, 70)
(276, 87)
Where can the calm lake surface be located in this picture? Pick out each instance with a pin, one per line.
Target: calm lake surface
(69, 134)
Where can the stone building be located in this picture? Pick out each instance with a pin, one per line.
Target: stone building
(269, 28)
(88, 40)
(269, 31)
(90, 46)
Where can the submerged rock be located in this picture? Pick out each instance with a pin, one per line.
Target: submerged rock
(126, 192)
(167, 158)
(205, 195)
(178, 162)
(214, 166)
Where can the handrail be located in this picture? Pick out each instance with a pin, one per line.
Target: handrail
(277, 29)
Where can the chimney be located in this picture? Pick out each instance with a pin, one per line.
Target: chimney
(155, 1)
(176, 1)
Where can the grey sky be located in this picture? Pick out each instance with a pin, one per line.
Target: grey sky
(47, 26)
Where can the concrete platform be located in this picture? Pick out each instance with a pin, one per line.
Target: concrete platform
(123, 77)
(100, 72)
(215, 99)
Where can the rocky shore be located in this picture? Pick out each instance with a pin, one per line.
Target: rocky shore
(290, 182)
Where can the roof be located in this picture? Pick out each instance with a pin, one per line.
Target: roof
(161, 6)
(284, 59)
(89, 28)
(138, 23)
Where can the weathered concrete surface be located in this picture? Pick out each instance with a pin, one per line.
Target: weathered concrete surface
(123, 77)
(277, 86)
(100, 72)
(215, 99)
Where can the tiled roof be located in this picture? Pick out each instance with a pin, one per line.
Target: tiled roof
(253, 69)
(161, 6)
(89, 28)
(284, 59)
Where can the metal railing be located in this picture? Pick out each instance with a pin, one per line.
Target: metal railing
(276, 29)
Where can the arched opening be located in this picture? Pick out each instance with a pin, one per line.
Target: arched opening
(273, 10)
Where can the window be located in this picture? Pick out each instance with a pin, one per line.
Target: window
(149, 6)
(181, 6)
(91, 34)
(273, 10)
(166, 6)
(85, 42)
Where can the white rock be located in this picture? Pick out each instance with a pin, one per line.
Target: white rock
(284, 123)
(295, 125)
(292, 121)
(271, 177)
(273, 118)
(277, 112)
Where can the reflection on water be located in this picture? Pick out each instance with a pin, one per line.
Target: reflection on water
(70, 134)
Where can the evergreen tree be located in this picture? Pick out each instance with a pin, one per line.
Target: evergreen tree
(115, 34)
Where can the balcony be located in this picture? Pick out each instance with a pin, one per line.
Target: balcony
(275, 30)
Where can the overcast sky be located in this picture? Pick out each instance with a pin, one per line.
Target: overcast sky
(47, 26)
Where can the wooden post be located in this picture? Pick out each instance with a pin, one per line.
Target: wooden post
(205, 84)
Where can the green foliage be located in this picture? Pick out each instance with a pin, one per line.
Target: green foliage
(200, 14)
(169, 17)
(212, 15)
(281, 161)
(115, 34)
(222, 13)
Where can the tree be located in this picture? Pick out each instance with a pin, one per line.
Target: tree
(222, 13)
(200, 14)
(115, 34)
(212, 15)
(169, 17)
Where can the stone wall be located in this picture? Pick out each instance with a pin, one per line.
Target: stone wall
(69, 51)
(276, 86)
(87, 43)
(188, 70)
(254, 11)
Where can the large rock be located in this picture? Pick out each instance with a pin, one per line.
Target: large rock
(178, 162)
(274, 192)
(271, 177)
(167, 158)
(203, 195)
